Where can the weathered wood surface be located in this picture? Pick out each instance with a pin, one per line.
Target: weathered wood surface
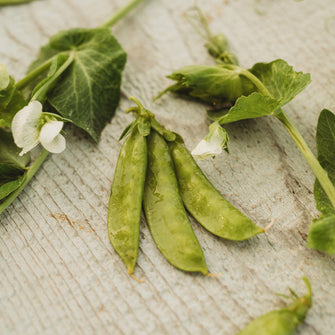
(59, 273)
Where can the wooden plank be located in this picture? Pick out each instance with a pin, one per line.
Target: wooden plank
(59, 273)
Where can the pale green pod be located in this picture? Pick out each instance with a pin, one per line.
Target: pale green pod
(125, 204)
(165, 212)
(205, 203)
(283, 321)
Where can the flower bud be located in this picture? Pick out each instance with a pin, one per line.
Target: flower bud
(217, 47)
(212, 84)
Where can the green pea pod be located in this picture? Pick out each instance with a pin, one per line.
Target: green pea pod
(205, 203)
(165, 213)
(125, 204)
(283, 321)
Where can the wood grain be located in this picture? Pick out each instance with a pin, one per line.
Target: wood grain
(59, 273)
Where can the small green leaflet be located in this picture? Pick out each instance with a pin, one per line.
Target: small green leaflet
(281, 80)
(4, 77)
(11, 177)
(322, 231)
(11, 101)
(252, 106)
(9, 152)
(88, 92)
(128, 130)
(12, 166)
(277, 84)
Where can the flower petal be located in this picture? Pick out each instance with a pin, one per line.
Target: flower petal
(206, 149)
(57, 145)
(50, 137)
(25, 126)
(213, 143)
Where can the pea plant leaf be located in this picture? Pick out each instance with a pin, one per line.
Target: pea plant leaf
(11, 177)
(252, 106)
(11, 100)
(12, 166)
(322, 231)
(281, 80)
(277, 84)
(4, 77)
(88, 91)
(9, 152)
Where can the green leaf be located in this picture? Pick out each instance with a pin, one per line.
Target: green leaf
(9, 152)
(88, 92)
(11, 101)
(322, 201)
(325, 142)
(277, 83)
(322, 231)
(11, 177)
(281, 80)
(4, 77)
(321, 234)
(12, 166)
(6, 94)
(252, 106)
(128, 129)
(8, 188)
(9, 172)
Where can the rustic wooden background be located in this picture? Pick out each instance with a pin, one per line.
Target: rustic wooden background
(59, 273)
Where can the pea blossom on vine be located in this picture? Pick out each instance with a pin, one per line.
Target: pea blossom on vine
(30, 126)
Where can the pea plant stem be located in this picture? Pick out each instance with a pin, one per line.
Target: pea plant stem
(21, 84)
(120, 14)
(313, 162)
(30, 173)
(41, 93)
(260, 86)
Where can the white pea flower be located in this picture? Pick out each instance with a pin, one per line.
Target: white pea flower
(213, 143)
(30, 126)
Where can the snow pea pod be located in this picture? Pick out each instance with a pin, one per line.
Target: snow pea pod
(165, 212)
(125, 204)
(205, 203)
(283, 321)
